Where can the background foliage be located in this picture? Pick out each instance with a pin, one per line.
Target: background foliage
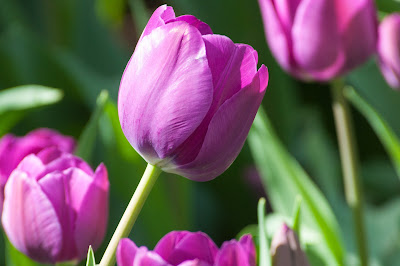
(82, 47)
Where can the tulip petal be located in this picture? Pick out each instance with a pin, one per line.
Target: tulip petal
(358, 21)
(200, 25)
(232, 254)
(148, 258)
(126, 252)
(30, 220)
(159, 18)
(54, 186)
(232, 121)
(286, 10)
(315, 35)
(32, 166)
(194, 263)
(90, 201)
(179, 246)
(249, 248)
(277, 37)
(233, 67)
(163, 98)
(57, 161)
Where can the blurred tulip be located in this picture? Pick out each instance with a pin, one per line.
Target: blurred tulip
(14, 149)
(188, 97)
(55, 206)
(320, 39)
(188, 249)
(286, 250)
(389, 49)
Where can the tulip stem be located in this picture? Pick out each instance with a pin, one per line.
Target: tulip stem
(349, 161)
(131, 213)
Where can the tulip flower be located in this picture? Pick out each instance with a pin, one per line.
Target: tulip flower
(320, 39)
(55, 206)
(188, 249)
(286, 250)
(188, 97)
(389, 49)
(14, 149)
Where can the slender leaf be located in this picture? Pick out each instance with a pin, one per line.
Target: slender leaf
(296, 216)
(91, 261)
(388, 138)
(265, 259)
(28, 96)
(88, 137)
(284, 179)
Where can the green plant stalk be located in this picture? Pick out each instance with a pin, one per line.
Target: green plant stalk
(349, 160)
(131, 213)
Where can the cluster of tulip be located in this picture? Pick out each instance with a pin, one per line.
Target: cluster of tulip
(190, 116)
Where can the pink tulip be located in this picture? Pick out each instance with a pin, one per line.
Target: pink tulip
(389, 49)
(14, 149)
(188, 97)
(182, 248)
(320, 39)
(55, 206)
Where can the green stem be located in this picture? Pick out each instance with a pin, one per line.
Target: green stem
(131, 213)
(349, 160)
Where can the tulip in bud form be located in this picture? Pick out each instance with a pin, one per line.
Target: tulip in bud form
(14, 149)
(389, 49)
(188, 97)
(55, 206)
(320, 39)
(182, 248)
(286, 250)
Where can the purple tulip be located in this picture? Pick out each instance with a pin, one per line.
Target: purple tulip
(389, 49)
(55, 206)
(286, 250)
(188, 249)
(14, 149)
(188, 97)
(320, 39)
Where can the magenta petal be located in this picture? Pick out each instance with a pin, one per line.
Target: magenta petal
(179, 246)
(200, 25)
(31, 165)
(277, 36)
(143, 257)
(194, 263)
(30, 220)
(232, 121)
(286, 10)
(163, 99)
(126, 252)
(90, 201)
(360, 30)
(159, 18)
(232, 254)
(316, 38)
(248, 246)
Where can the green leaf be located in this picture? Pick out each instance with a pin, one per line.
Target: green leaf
(388, 138)
(14, 102)
(296, 216)
(265, 259)
(28, 96)
(91, 261)
(88, 137)
(284, 179)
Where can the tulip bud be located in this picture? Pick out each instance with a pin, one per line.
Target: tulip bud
(14, 149)
(286, 250)
(55, 206)
(188, 249)
(320, 39)
(389, 49)
(188, 97)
